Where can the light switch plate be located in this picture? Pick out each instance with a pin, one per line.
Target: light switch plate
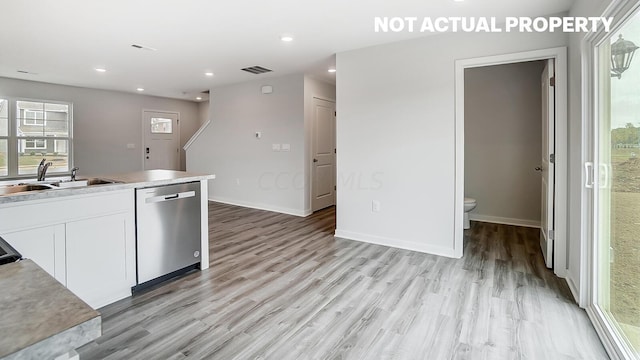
(275, 147)
(286, 147)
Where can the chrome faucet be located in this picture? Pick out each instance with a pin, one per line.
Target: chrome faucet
(74, 171)
(42, 169)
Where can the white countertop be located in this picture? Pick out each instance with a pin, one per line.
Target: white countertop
(140, 179)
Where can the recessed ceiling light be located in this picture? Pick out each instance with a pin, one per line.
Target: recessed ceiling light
(101, 70)
(332, 70)
(198, 98)
(286, 38)
(458, 0)
(209, 73)
(140, 89)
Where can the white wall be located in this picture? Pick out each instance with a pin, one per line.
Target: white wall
(503, 141)
(247, 171)
(203, 113)
(396, 135)
(104, 122)
(312, 88)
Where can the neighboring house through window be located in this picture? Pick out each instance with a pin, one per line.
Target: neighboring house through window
(31, 130)
(35, 117)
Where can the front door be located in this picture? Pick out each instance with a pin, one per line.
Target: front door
(161, 148)
(547, 167)
(324, 154)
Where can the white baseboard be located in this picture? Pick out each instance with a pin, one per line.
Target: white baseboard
(266, 207)
(574, 289)
(505, 221)
(396, 243)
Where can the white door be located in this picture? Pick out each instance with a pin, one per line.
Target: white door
(324, 155)
(161, 148)
(547, 167)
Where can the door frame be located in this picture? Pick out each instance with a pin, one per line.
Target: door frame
(559, 54)
(621, 11)
(142, 128)
(312, 143)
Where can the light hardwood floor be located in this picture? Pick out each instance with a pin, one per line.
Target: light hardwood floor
(281, 287)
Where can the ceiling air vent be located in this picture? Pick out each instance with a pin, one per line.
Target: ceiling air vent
(142, 47)
(256, 70)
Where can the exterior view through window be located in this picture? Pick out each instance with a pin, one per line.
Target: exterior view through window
(38, 130)
(618, 209)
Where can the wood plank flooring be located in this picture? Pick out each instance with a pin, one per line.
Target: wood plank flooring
(281, 287)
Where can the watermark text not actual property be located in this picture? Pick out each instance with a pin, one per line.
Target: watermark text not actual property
(492, 24)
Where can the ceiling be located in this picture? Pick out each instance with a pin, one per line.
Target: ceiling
(63, 41)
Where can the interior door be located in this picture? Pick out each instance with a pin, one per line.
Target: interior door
(547, 167)
(161, 140)
(324, 154)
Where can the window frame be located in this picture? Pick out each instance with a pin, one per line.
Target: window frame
(13, 139)
(35, 147)
(27, 121)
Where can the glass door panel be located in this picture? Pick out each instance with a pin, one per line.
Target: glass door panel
(618, 191)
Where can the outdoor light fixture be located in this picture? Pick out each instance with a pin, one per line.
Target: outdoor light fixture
(621, 55)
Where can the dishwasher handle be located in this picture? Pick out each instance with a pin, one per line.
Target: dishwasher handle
(176, 196)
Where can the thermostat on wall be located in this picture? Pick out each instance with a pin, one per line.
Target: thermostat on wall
(267, 89)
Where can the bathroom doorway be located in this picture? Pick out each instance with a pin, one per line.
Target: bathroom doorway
(519, 167)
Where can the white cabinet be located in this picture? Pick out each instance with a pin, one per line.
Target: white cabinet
(87, 242)
(98, 258)
(43, 245)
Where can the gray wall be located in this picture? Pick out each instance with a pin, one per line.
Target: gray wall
(203, 112)
(247, 171)
(503, 141)
(104, 122)
(396, 135)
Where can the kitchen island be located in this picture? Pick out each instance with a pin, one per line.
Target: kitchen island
(41, 319)
(85, 237)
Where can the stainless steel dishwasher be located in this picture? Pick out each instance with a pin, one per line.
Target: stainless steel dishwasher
(168, 232)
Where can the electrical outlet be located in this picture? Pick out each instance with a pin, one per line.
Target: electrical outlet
(286, 147)
(375, 206)
(258, 134)
(275, 147)
(131, 146)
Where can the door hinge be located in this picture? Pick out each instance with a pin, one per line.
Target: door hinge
(335, 151)
(552, 81)
(551, 234)
(335, 188)
(552, 158)
(335, 113)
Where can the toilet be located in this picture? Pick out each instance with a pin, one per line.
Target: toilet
(469, 204)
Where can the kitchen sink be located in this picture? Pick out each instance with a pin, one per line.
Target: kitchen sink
(99, 181)
(12, 189)
(19, 188)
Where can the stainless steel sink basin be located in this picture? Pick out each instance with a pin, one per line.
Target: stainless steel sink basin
(12, 189)
(84, 182)
(19, 188)
(99, 181)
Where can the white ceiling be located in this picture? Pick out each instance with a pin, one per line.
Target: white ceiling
(63, 41)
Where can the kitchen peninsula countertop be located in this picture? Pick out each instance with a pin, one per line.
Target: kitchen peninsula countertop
(41, 319)
(138, 179)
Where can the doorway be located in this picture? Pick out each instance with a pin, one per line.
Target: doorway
(558, 207)
(323, 163)
(161, 140)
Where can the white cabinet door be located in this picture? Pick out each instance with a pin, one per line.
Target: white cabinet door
(44, 245)
(101, 258)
